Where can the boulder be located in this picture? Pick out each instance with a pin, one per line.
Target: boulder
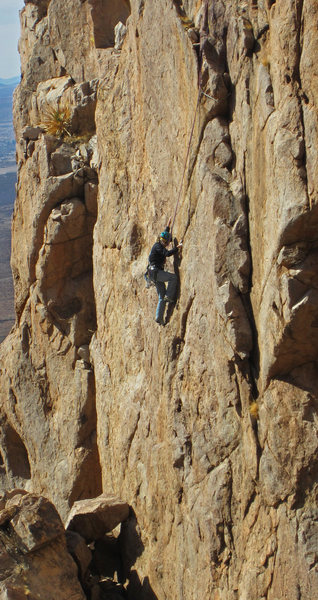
(34, 561)
(36, 522)
(94, 517)
(31, 133)
(61, 160)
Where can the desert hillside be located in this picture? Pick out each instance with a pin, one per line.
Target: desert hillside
(7, 193)
(7, 196)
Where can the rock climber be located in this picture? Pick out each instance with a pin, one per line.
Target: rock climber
(159, 276)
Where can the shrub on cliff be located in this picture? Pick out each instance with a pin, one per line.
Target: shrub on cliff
(56, 120)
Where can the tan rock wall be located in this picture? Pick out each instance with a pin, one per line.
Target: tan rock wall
(223, 504)
(47, 385)
(188, 454)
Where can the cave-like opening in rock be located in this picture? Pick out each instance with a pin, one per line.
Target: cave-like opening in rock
(17, 456)
(105, 15)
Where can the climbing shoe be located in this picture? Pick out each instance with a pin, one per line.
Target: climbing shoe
(167, 299)
(160, 321)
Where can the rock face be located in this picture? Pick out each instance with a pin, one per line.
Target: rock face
(95, 396)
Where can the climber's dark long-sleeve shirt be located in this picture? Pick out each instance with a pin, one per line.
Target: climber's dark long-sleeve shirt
(158, 255)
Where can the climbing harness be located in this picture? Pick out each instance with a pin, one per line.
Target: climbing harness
(151, 275)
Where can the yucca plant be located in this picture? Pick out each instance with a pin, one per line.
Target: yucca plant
(57, 120)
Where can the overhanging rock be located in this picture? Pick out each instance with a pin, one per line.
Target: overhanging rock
(94, 517)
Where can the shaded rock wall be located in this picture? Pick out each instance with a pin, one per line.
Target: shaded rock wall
(97, 394)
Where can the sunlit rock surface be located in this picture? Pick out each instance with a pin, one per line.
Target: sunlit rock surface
(95, 396)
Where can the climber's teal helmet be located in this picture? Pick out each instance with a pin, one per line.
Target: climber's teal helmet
(165, 235)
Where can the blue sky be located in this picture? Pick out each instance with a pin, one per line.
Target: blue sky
(9, 35)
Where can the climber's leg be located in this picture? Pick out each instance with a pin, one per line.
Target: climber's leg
(161, 291)
(172, 281)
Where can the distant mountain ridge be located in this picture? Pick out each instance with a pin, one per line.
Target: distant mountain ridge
(7, 87)
(7, 195)
(11, 81)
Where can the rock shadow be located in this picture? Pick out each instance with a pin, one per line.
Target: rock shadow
(305, 377)
(132, 548)
(14, 455)
(138, 589)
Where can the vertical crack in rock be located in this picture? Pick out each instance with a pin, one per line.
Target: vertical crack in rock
(302, 155)
(246, 298)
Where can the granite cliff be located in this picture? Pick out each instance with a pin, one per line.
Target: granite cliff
(207, 427)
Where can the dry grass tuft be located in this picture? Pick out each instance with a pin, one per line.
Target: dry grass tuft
(56, 120)
(254, 410)
(265, 62)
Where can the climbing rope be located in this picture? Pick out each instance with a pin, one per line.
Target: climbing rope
(186, 159)
(204, 31)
